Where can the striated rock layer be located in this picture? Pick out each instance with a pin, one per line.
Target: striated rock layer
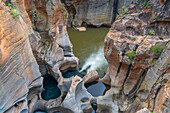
(138, 53)
(19, 71)
(93, 12)
(33, 42)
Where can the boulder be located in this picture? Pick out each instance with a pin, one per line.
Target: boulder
(78, 99)
(144, 110)
(91, 76)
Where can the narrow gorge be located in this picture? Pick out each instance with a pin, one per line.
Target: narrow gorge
(84, 56)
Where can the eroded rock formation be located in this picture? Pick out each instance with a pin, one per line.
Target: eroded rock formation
(34, 42)
(93, 12)
(31, 32)
(19, 71)
(137, 50)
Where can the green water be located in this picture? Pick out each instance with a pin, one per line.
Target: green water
(51, 89)
(87, 42)
(88, 46)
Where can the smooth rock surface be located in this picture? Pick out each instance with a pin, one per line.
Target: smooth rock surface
(19, 71)
(78, 99)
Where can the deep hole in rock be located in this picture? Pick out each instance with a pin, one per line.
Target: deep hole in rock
(40, 111)
(85, 99)
(94, 106)
(69, 74)
(57, 112)
(51, 89)
(96, 88)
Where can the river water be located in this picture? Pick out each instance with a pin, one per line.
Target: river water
(88, 46)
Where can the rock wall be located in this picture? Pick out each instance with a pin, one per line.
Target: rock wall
(138, 53)
(93, 12)
(33, 42)
(52, 48)
(19, 71)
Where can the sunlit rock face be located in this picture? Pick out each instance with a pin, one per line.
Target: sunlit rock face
(19, 71)
(36, 42)
(52, 48)
(137, 50)
(36, 35)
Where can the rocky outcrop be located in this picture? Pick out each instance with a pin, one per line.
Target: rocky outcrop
(52, 48)
(162, 101)
(78, 99)
(34, 42)
(19, 71)
(137, 50)
(93, 12)
(91, 76)
(31, 32)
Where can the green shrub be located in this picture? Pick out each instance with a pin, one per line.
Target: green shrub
(151, 32)
(125, 11)
(113, 28)
(143, 47)
(144, 3)
(64, 11)
(131, 55)
(13, 10)
(157, 50)
(117, 17)
(122, 11)
(154, 61)
(35, 18)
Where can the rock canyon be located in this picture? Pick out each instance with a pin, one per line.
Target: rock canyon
(124, 67)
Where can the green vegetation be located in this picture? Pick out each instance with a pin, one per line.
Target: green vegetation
(151, 32)
(13, 11)
(131, 55)
(122, 11)
(156, 52)
(157, 49)
(144, 3)
(154, 61)
(64, 11)
(46, 45)
(131, 100)
(143, 47)
(35, 17)
(155, 16)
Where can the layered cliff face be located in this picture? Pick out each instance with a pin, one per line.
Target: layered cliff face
(52, 48)
(93, 12)
(19, 71)
(34, 42)
(33, 39)
(137, 50)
